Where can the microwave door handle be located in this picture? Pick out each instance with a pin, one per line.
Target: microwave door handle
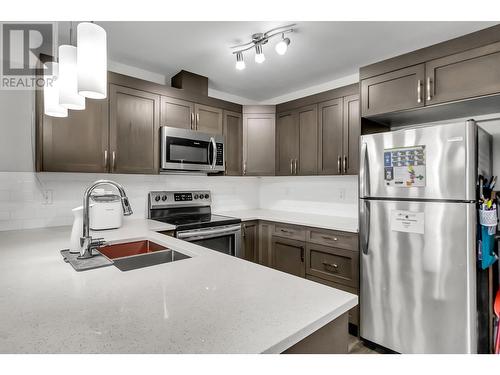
(214, 148)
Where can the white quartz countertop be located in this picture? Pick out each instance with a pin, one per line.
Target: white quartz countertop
(210, 303)
(346, 224)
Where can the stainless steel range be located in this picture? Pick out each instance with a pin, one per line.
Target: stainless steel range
(191, 213)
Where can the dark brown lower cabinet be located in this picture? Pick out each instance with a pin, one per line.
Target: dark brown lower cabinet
(250, 240)
(334, 264)
(134, 118)
(289, 256)
(265, 243)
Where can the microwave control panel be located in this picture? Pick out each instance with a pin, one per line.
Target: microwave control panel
(220, 154)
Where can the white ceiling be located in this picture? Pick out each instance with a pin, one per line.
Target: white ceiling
(319, 51)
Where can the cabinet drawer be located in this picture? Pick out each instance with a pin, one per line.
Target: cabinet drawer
(354, 312)
(334, 264)
(290, 231)
(341, 240)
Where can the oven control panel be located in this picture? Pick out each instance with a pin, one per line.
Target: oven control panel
(160, 199)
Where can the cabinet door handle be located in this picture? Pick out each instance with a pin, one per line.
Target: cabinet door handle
(113, 160)
(334, 266)
(419, 91)
(330, 238)
(192, 120)
(344, 164)
(105, 159)
(244, 168)
(296, 163)
(302, 254)
(338, 164)
(429, 96)
(197, 120)
(291, 166)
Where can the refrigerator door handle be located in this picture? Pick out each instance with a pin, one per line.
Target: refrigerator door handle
(364, 178)
(364, 225)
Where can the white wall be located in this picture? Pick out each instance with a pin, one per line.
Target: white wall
(17, 130)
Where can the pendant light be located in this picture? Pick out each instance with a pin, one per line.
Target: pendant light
(68, 79)
(51, 106)
(92, 61)
(259, 54)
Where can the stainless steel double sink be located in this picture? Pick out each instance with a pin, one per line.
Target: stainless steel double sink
(139, 254)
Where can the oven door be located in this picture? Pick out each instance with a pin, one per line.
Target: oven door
(225, 239)
(183, 149)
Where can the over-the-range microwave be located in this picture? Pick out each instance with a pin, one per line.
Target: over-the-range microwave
(188, 150)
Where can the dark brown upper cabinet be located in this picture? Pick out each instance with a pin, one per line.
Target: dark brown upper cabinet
(233, 138)
(259, 141)
(177, 113)
(208, 119)
(469, 74)
(339, 131)
(289, 256)
(330, 137)
(350, 134)
(134, 118)
(456, 78)
(297, 142)
(307, 161)
(395, 91)
(287, 143)
(77, 143)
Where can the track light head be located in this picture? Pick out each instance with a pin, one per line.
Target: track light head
(259, 54)
(282, 46)
(240, 63)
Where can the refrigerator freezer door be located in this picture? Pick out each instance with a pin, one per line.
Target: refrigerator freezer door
(417, 276)
(433, 162)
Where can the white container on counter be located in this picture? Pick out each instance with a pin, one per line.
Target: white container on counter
(106, 211)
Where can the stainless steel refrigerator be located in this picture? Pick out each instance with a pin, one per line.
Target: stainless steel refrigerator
(418, 236)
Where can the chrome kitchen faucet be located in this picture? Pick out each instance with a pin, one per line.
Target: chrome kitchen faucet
(86, 242)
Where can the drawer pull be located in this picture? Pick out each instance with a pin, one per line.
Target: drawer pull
(334, 266)
(285, 231)
(330, 238)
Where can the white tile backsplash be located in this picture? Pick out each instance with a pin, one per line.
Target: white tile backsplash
(22, 205)
(323, 195)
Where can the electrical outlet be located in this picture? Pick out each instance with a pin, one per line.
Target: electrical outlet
(47, 197)
(341, 194)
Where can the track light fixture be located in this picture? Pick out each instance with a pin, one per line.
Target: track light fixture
(258, 40)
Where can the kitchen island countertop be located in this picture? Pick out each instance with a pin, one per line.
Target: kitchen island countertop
(210, 303)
